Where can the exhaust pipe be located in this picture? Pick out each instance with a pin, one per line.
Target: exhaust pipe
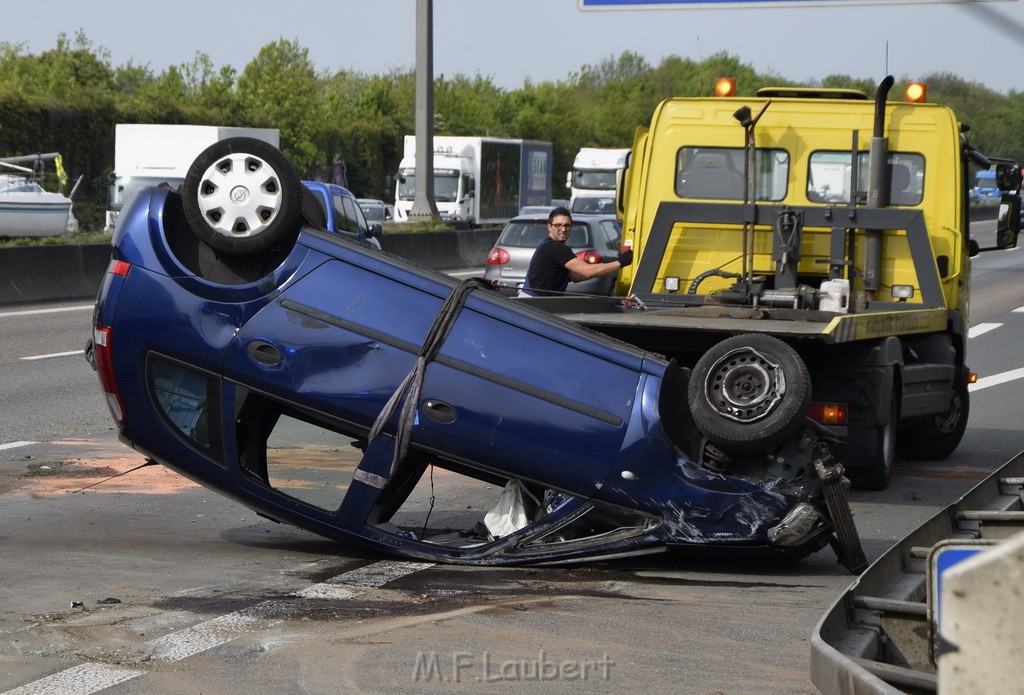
(878, 190)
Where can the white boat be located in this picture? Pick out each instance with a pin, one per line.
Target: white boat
(29, 210)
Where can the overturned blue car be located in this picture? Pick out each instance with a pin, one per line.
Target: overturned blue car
(332, 386)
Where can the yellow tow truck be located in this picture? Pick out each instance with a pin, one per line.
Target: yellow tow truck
(805, 252)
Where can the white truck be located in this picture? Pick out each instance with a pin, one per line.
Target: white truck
(478, 180)
(148, 154)
(595, 171)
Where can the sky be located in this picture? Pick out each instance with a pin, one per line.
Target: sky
(547, 40)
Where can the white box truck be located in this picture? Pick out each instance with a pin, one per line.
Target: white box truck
(148, 154)
(595, 171)
(478, 180)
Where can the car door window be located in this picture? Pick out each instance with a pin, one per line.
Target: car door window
(611, 234)
(355, 214)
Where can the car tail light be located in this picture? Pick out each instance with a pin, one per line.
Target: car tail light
(828, 413)
(101, 343)
(590, 256)
(497, 257)
(119, 268)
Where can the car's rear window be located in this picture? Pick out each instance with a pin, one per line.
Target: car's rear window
(530, 234)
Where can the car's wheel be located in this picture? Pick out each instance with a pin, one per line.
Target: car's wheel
(241, 196)
(869, 452)
(749, 393)
(934, 438)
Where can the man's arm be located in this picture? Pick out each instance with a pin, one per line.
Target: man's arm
(580, 270)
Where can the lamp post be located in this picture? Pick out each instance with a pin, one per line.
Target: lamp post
(423, 204)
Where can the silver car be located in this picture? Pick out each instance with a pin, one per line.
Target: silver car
(594, 238)
(375, 210)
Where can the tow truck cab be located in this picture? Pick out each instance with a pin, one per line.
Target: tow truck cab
(835, 223)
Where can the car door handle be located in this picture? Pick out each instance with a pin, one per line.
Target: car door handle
(264, 353)
(439, 411)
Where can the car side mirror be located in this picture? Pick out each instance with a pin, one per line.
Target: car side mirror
(973, 249)
(375, 230)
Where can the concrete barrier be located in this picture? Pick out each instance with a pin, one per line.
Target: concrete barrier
(51, 273)
(61, 272)
(443, 250)
(64, 271)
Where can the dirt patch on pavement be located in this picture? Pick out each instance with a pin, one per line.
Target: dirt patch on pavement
(96, 469)
(944, 471)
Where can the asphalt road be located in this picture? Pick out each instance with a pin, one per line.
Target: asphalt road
(145, 583)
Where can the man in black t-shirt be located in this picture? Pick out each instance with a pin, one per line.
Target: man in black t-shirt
(554, 264)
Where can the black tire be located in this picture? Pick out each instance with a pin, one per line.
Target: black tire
(749, 393)
(934, 438)
(869, 453)
(242, 197)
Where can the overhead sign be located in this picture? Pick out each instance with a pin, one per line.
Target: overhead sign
(718, 4)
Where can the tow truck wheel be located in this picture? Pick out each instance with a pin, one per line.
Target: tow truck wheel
(749, 393)
(934, 438)
(241, 196)
(869, 453)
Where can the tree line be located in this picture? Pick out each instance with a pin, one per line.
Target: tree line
(69, 99)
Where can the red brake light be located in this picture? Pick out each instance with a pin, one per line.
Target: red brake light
(590, 256)
(119, 268)
(497, 257)
(101, 340)
(828, 413)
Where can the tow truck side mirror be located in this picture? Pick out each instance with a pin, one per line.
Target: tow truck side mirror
(1008, 221)
(1008, 176)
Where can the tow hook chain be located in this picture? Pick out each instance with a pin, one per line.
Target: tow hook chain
(845, 542)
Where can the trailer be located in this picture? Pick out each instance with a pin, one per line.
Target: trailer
(478, 180)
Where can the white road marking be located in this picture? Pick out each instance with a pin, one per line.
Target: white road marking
(180, 645)
(996, 379)
(35, 312)
(1019, 310)
(15, 445)
(981, 329)
(78, 680)
(86, 679)
(55, 354)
